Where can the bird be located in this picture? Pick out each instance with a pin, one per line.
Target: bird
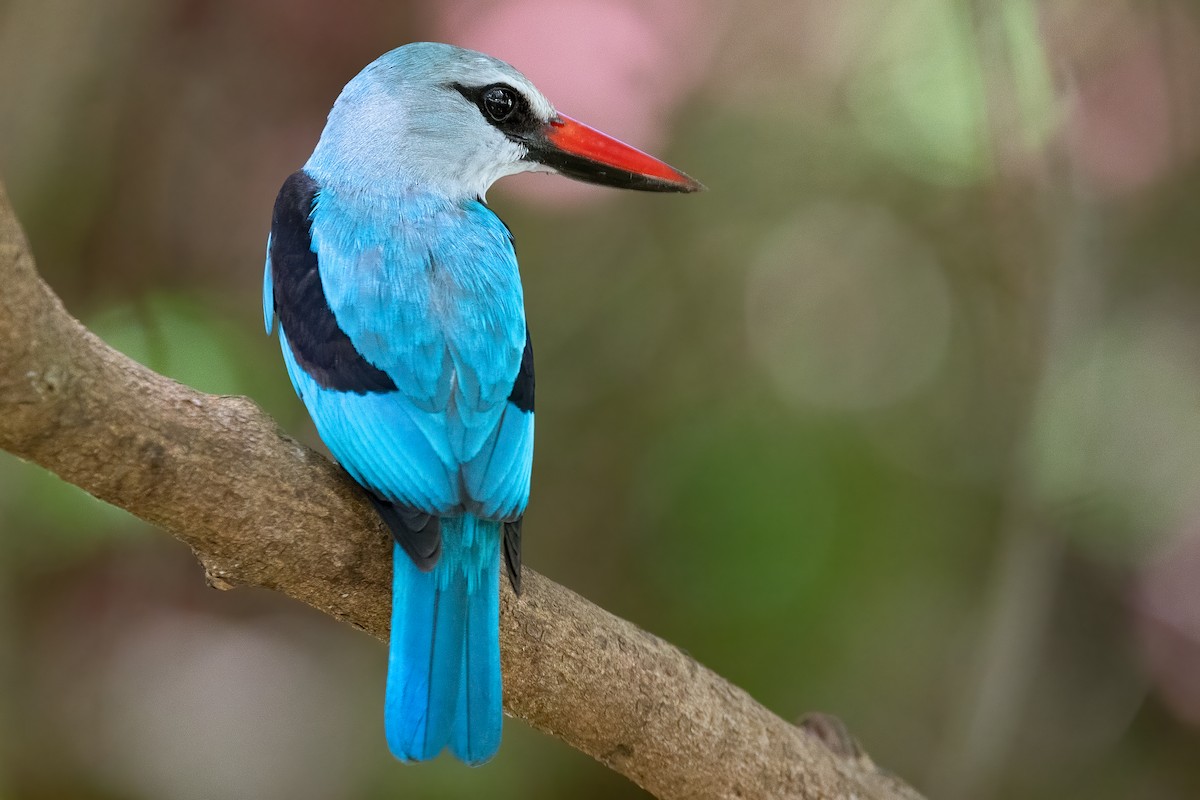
(400, 316)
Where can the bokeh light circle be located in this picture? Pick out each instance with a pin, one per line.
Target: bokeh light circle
(846, 308)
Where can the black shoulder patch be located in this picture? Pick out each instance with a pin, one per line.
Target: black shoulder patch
(522, 391)
(320, 346)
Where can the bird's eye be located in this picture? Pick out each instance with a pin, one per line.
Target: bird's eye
(499, 102)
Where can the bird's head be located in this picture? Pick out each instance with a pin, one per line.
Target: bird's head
(440, 118)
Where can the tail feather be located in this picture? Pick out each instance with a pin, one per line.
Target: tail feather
(443, 686)
(477, 735)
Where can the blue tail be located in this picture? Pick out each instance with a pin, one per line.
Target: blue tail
(443, 684)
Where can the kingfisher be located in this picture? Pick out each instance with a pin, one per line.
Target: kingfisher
(402, 325)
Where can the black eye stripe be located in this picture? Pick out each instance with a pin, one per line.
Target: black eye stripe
(493, 101)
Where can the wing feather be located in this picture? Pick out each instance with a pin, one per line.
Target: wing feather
(415, 323)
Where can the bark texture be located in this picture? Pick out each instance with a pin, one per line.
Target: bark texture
(259, 508)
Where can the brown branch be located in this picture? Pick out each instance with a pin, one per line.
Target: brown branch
(259, 508)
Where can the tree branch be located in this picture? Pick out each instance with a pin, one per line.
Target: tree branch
(259, 508)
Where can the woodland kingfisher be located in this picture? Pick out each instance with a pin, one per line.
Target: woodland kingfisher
(402, 326)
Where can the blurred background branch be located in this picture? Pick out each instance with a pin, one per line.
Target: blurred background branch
(259, 509)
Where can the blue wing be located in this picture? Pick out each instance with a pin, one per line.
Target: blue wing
(402, 327)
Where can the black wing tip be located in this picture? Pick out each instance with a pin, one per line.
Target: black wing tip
(418, 533)
(512, 552)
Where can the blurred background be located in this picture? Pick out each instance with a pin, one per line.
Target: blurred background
(899, 421)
